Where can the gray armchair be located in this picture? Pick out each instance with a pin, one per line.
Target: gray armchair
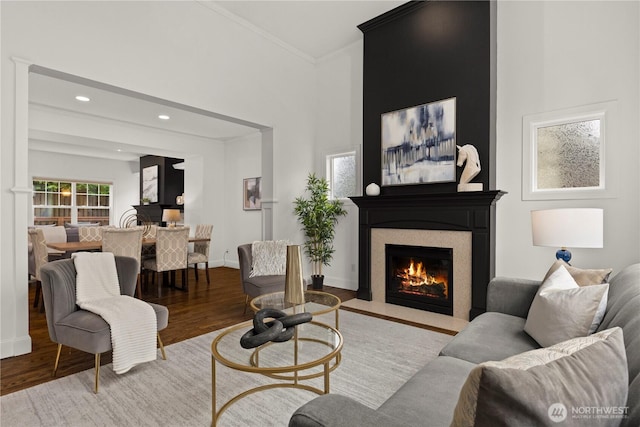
(258, 285)
(71, 326)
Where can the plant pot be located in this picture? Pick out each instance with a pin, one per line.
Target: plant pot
(317, 281)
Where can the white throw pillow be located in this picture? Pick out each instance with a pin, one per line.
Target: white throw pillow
(268, 258)
(562, 310)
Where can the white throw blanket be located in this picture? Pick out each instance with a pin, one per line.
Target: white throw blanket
(132, 322)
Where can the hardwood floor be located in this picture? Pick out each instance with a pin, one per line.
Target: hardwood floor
(203, 309)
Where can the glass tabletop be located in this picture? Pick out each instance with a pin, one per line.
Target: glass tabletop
(314, 344)
(316, 302)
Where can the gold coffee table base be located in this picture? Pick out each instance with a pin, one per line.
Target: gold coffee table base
(216, 415)
(255, 362)
(286, 358)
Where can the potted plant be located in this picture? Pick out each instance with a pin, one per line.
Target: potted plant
(145, 200)
(318, 216)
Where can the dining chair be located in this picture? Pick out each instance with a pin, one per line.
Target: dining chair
(40, 258)
(172, 247)
(149, 232)
(90, 233)
(124, 242)
(54, 234)
(200, 252)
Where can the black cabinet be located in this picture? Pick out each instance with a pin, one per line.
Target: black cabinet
(153, 212)
(159, 180)
(161, 183)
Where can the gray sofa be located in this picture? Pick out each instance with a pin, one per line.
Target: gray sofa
(430, 396)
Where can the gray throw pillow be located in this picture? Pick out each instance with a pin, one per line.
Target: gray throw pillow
(582, 276)
(548, 385)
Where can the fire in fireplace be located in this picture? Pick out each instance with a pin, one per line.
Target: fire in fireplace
(420, 277)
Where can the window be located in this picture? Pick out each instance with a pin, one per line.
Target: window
(60, 202)
(564, 154)
(341, 175)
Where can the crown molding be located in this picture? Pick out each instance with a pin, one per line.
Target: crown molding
(212, 5)
(391, 15)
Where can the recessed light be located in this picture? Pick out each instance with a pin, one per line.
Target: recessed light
(163, 117)
(82, 98)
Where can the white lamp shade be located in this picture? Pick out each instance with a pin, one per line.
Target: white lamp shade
(575, 228)
(171, 215)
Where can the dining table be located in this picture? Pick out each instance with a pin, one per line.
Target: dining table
(97, 245)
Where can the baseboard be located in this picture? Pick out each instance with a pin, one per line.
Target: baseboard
(15, 347)
(230, 264)
(339, 282)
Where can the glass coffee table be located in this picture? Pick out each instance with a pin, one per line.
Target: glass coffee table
(316, 303)
(312, 348)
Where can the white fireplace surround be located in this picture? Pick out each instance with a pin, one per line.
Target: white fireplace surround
(459, 241)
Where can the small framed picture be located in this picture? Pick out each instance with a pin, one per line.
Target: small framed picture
(252, 194)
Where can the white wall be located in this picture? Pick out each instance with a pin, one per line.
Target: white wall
(339, 129)
(242, 159)
(557, 55)
(76, 168)
(551, 55)
(178, 51)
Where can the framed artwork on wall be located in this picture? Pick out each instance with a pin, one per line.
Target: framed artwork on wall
(564, 153)
(150, 183)
(251, 195)
(419, 144)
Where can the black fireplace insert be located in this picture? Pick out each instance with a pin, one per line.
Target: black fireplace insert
(420, 277)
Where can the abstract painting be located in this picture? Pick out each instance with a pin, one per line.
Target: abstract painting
(150, 183)
(252, 194)
(419, 144)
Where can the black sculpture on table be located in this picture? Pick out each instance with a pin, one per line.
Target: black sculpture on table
(280, 329)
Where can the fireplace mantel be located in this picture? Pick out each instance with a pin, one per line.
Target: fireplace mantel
(468, 211)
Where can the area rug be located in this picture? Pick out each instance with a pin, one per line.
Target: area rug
(377, 358)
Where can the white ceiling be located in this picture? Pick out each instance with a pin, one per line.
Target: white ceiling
(315, 28)
(311, 29)
(50, 91)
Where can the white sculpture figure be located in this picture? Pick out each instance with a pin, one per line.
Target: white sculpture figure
(468, 153)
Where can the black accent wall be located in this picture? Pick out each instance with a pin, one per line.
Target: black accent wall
(418, 53)
(423, 52)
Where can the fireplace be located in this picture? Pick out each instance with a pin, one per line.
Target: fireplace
(419, 277)
(468, 213)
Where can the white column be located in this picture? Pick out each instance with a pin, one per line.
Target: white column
(268, 202)
(15, 289)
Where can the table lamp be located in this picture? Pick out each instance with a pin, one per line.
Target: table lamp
(171, 216)
(575, 227)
